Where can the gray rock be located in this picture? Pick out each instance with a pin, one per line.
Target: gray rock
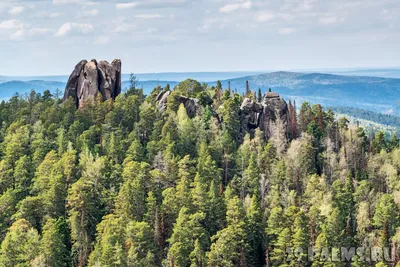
(269, 115)
(275, 114)
(118, 82)
(192, 105)
(91, 78)
(72, 84)
(162, 99)
(108, 78)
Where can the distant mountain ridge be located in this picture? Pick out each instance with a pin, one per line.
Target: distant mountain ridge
(370, 93)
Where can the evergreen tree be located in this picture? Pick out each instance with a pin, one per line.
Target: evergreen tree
(53, 249)
(187, 230)
(20, 246)
(226, 249)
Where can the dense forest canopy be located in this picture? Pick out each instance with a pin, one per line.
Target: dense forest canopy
(123, 183)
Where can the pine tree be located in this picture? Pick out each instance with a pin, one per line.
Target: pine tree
(140, 248)
(226, 249)
(255, 233)
(386, 218)
(251, 177)
(198, 256)
(20, 246)
(187, 229)
(207, 171)
(52, 248)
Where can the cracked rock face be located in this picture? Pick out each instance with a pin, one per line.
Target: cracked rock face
(89, 79)
(192, 105)
(270, 115)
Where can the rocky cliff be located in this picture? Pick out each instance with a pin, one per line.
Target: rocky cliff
(89, 79)
(270, 115)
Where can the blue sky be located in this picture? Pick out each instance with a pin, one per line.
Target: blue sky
(48, 37)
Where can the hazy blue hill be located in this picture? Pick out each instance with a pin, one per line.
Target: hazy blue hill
(199, 76)
(148, 86)
(163, 76)
(8, 89)
(382, 72)
(371, 93)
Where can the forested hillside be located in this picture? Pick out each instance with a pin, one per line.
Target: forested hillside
(133, 183)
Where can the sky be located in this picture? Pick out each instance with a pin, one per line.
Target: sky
(49, 37)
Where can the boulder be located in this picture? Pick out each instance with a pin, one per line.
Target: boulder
(250, 114)
(72, 84)
(192, 105)
(275, 115)
(91, 78)
(270, 115)
(162, 99)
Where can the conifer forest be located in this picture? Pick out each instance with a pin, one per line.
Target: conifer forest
(192, 176)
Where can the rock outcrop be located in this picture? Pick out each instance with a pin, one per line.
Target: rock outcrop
(271, 115)
(162, 100)
(192, 105)
(88, 79)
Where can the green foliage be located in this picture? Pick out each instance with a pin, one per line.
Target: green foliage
(20, 246)
(121, 183)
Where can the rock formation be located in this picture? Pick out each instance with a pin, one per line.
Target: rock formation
(162, 100)
(88, 79)
(192, 105)
(271, 115)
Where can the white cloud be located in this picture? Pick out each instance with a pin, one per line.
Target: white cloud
(61, 2)
(286, 31)
(124, 28)
(235, 6)
(11, 24)
(330, 20)
(126, 5)
(148, 16)
(102, 40)
(91, 13)
(54, 15)
(23, 33)
(267, 16)
(70, 28)
(16, 10)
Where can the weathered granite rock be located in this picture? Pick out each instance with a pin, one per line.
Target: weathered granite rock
(250, 113)
(91, 78)
(72, 84)
(192, 105)
(271, 115)
(162, 99)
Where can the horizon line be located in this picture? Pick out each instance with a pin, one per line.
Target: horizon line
(326, 69)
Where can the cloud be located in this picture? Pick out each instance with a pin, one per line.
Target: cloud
(91, 13)
(16, 10)
(149, 16)
(329, 20)
(126, 5)
(23, 33)
(267, 16)
(61, 2)
(235, 6)
(124, 28)
(102, 40)
(286, 31)
(54, 15)
(11, 24)
(71, 28)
